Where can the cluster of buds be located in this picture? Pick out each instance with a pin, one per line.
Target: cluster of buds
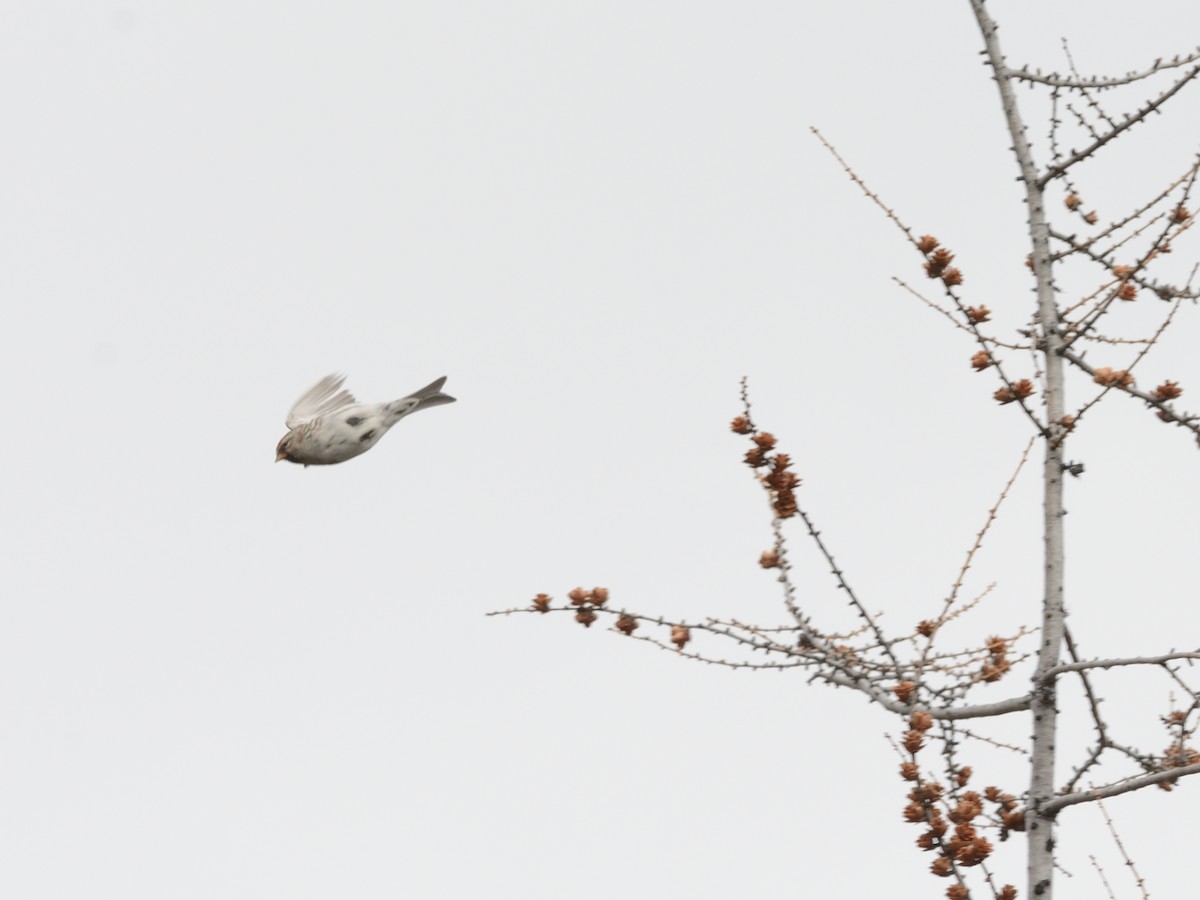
(1178, 752)
(1112, 377)
(964, 845)
(1127, 291)
(1008, 811)
(1018, 391)
(997, 662)
(981, 360)
(586, 600)
(926, 627)
(626, 624)
(764, 442)
(1179, 215)
(961, 846)
(937, 261)
(595, 597)
(918, 723)
(780, 481)
(978, 314)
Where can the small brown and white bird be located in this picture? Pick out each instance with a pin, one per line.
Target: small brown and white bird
(327, 425)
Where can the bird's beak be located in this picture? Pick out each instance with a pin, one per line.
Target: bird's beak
(280, 454)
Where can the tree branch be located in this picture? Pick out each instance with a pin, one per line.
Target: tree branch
(1096, 81)
(1114, 663)
(1054, 806)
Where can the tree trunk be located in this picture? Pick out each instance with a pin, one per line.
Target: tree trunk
(1040, 831)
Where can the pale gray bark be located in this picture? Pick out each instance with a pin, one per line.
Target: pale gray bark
(1039, 820)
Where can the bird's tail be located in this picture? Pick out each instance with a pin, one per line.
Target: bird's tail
(426, 397)
(430, 395)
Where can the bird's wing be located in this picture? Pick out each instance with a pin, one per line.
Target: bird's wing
(322, 398)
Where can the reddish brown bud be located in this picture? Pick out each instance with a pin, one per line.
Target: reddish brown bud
(785, 504)
(1091, 218)
(938, 262)
(599, 596)
(941, 867)
(756, 457)
(769, 560)
(1122, 271)
(914, 812)
(904, 690)
(994, 671)
(1112, 377)
(578, 596)
(782, 480)
(927, 244)
(963, 775)
(965, 811)
(920, 721)
(1067, 422)
(1179, 215)
(740, 425)
(1168, 390)
(1072, 201)
(976, 852)
(952, 277)
(981, 360)
(909, 771)
(927, 793)
(977, 314)
(926, 628)
(585, 617)
(764, 439)
(957, 892)
(1127, 291)
(1014, 820)
(542, 603)
(680, 635)
(626, 623)
(1008, 892)
(913, 741)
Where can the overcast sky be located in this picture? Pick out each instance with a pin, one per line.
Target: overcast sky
(226, 678)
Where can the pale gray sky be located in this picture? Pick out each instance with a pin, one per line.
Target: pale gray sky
(226, 678)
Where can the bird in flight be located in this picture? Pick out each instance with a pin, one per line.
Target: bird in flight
(327, 425)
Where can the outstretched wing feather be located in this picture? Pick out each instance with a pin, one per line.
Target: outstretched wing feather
(321, 399)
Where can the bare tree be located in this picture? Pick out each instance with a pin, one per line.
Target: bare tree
(932, 687)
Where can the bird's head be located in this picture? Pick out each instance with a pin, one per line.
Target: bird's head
(284, 449)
